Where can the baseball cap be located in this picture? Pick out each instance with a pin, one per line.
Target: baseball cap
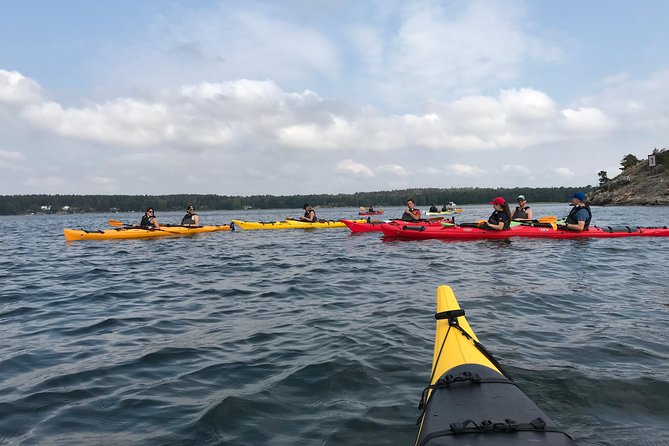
(498, 200)
(521, 197)
(580, 196)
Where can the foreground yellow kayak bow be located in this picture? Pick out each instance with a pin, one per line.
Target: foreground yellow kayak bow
(470, 401)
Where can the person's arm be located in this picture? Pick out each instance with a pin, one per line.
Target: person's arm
(415, 214)
(576, 226)
(529, 214)
(496, 226)
(311, 218)
(196, 220)
(154, 222)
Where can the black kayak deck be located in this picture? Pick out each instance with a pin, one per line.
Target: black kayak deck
(474, 405)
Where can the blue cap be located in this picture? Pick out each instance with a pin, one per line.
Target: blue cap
(580, 196)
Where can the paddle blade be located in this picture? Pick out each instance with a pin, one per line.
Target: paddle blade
(115, 223)
(548, 219)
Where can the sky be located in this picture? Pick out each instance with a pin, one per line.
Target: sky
(314, 96)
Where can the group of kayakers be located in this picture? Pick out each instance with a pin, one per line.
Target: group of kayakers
(149, 219)
(445, 208)
(578, 219)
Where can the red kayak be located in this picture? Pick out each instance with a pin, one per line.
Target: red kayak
(379, 212)
(414, 231)
(375, 225)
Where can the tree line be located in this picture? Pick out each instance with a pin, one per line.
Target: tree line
(26, 204)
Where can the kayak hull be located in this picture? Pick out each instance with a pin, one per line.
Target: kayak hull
(470, 401)
(130, 233)
(289, 224)
(375, 226)
(371, 213)
(465, 233)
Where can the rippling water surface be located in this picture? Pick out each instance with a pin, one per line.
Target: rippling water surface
(318, 337)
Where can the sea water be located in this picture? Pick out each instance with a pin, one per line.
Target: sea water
(318, 337)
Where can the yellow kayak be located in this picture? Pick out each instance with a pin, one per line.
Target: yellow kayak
(289, 224)
(320, 224)
(470, 400)
(132, 232)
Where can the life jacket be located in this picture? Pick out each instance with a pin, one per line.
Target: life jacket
(571, 218)
(188, 219)
(407, 217)
(146, 222)
(307, 216)
(498, 216)
(520, 212)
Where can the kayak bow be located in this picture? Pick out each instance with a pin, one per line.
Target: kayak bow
(470, 401)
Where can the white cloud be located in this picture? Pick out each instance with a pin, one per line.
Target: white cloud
(466, 170)
(394, 169)
(563, 172)
(11, 160)
(515, 168)
(16, 89)
(350, 167)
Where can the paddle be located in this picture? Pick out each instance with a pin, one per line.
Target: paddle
(117, 224)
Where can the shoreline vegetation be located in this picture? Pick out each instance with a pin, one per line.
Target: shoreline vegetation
(69, 204)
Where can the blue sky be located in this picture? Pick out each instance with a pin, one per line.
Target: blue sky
(305, 96)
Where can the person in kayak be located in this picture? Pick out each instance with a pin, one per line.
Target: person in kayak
(371, 209)
(433, 208)
(149, 219)
(501, 216)
(523, 211)
(191, 218)
(411, 213)
(309, 214)
(580, 215)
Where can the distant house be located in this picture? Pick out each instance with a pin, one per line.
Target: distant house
(65, 208)
(45, 208)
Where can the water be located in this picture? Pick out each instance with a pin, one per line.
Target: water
(318, 337)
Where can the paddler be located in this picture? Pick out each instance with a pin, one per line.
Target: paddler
(411, 213)
(580, 215)
(501, 215)
(191, 218)
(149, 219)
(309, 214)
(523, 211)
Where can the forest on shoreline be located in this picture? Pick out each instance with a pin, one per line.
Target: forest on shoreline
(52, 204)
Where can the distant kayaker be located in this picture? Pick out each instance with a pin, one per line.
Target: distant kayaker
(191, 218)
(411, 213)
(309, 213)
(500, 217)
(371, 209)
(149, 219)
(433, 208)
(523, 211)
(580, 215)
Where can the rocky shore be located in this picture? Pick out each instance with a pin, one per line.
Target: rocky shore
(637, 185)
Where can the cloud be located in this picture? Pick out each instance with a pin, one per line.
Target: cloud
(564, 172)
(463, 47)
(516, 169)
(16, 89)
(392, 169)
(350, 167)
(466, 170)
(11, 160)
